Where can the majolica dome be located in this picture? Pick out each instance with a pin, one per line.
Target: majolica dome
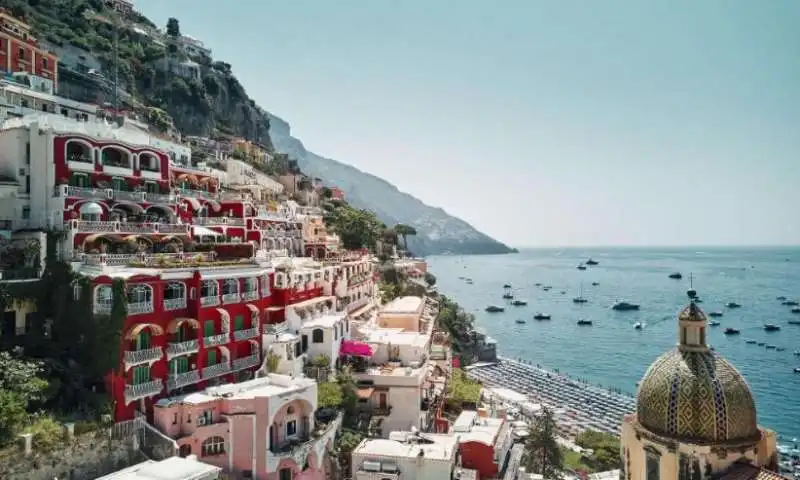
(693, 394)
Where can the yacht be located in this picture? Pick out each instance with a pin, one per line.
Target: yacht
(541, 316)
(508, 295)
(625, 306)
(780, 349)
(581, 267)
(796, 310)
(519, 303)
(771, 327)
(732, 305)
(760, 344)
(537, 284)
(750, 342)
(520, 321)
(584, 322)
(796, 369)
(469, 281)
(495, 309)
(638, 326)
(780, 298)
(592, 262)
(507, 285)
(714, 323)
(676, 275)
(579, 298)
(594, 284)
(732, 331)
(771, 347)
(715, 314)
(790, 303)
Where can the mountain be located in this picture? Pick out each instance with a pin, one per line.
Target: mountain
(437, 232)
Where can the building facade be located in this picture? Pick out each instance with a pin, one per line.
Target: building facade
(20, 52)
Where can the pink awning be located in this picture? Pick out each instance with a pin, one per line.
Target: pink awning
(355, 349)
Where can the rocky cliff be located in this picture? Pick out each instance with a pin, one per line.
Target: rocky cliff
(437, 232)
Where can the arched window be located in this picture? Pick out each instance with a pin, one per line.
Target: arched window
(148, 162)
(116, 157)
(231, 286)
(317, 335)
(209, 288)
(652, 464)
(212, 446)
(78, 152)
(140, 293)
(175, 290)
(103, 298)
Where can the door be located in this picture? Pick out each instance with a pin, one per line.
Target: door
(212, 358)
(179, 365)
(208, 328)
(118, 184)
(382, 400)
(238, 323)
(143, 340)
(141, 374)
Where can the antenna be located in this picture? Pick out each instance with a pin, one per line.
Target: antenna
(691, 279)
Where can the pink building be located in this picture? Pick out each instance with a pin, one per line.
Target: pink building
(263, 428)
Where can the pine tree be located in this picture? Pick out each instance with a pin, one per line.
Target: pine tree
(542, 452)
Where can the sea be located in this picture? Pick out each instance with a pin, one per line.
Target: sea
(611, 352)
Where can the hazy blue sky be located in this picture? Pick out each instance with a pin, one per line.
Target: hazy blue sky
(541, 123)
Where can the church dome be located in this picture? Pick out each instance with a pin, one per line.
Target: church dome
(693, 394)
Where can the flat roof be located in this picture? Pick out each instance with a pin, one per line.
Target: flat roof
(403, 445)
(325, 321)
(268, 386)
(396, 336)
(173, 468)
(403, 305)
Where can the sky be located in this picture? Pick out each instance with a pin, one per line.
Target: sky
(542, 123)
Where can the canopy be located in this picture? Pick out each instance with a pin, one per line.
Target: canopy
(205, 232)
(91, 208)
(355, 349)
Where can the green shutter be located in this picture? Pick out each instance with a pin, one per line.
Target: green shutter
(141, 374)
(212, 358)
(183, 364)
(208, 328)
(238, 323)
(143, 340)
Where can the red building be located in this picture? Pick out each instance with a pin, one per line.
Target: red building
(19, 51)
(484, 442)
(337, 193)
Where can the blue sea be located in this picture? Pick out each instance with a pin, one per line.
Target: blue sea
(614, 354)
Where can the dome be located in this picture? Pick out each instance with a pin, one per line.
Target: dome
(91, 208)
(693, 394)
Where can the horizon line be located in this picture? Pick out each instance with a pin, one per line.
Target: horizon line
(775, 245)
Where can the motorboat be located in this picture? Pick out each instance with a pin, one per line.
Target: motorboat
(584, 322)
(519, 321)
(796, 369)
(732, 331)
(546, 288)
(508, 296)
(793, 322)
(594, 284)
(771, 327)
(732, 305)
(592, 262)
(579, 298)
(714, 323)
(797, 352)
(771, 347)
(507, 285)
(541, 316)
(537, 284)
(625, 306)
(790, 303)
(469, 281)
(796, 310)
(750, 342)
(780, 349)
(780, 298)
(581, 267)
(676, 275)
(638, 326)
(715, 314)
(760, 344)
(495, 309)
(519, 303)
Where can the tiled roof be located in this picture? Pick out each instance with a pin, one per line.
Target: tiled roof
(751, 472)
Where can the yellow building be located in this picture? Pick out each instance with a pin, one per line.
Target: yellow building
(695, 417)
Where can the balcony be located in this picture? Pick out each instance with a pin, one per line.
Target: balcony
(246, 362)
(209, 301)
(230, 297)
(102, 308)
(143, 390)
(299, 448)
(216, 370)
(275, 328)
(249, 333)
(159, 260)
(178, 380)
(182, 348)
(174, 303)
(162, 198)
(140, 308)
(251, 295)
(19, 274)
(233, 221)
(135, 357)
(83, 226)
(215, 340)
(83, 192)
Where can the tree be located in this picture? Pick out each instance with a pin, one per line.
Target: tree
(356, 228)
(605, 450)
(326, 192)
(542, 453)
(20, 389)
(273, 362)
(329, 395)
(349, 396)
(404, 231)
(173, 27)
(430, 279)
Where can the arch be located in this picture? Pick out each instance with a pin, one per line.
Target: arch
(212, 446)
(78, 150)
(165, 210)
(225, 352)
(176, 323)
(300, 409)
(253, 310)
(215, 206)
(137, 239)
(193, 202)
(91, 208)
(115, 156)
(188, 178)
(317, 335)
(152, 163)
(139, 293)
(103, 295)
(135, 208)
(177, 289)
(102, 236)
(137, 329)
(211, 287)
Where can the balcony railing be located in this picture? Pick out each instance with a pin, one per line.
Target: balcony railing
(174, 303)
(178, 380)
(143, 390)
(22, 273)
(79, 158)
(251, 295)
(209, 301)
(231, 297)
(215, 340)
(140, 307)
(135, 357)
(246, 362)
(218, 221)
(216, 370)
(275, 328)
(149, 260)
(182, 348)
(127, 227)
(240, 335)
(159, 197)
(102, 308)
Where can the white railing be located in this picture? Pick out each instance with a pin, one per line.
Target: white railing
(182, 348)
(140, 307)
(245, 362)
(159, 198)
(215, 340)
(209, 301)
(126, 227)
(275, 328)
(178, 380)
(143, 390)
(216, 370)
(81, 192)
(230, 298)
(251, 295)
(174, 303)
(240, 335)
(134, 357)
(218, 221)
(150, 260)
(102, 309)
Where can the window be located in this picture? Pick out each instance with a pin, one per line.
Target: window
(652, 464)
(238, 323)
(213, 446)
(143, 340)
(208, 328)
(28, 153)
(103, 298)
(140, 294)
(304, 343)
(317, 335)
(175, 418)
(27, 184)
(151, 187)
(118, 184)
(212, 358)
(65, 112)
(209, 289)
(179, 365)
(250, 284)
(285, 474)
(291, 428)
(231, 286)
(26, 211)
(174, 291)
(141, 374)
(21, 53)
(297, 350)
(44, 63)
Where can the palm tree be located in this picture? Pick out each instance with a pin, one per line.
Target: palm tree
(542, 452)
(404, 231)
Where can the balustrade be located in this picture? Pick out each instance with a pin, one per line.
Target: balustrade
(135, 357)
(217, 370)
(178, 380)
(248, 333)
(143, 390)
(215, 340)
(174, 303)
(209, 301)
(127, 227)
(182, 348)
(245, 362)
(251, 295)
(230, 297)
(140, 307)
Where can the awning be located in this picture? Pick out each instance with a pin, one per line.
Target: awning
(350, 348)
(134, 332)
(365, 392)
(133, 206)
(177, 322)
(204, 232)
(275, 308)
(188, 177)
(312, 302)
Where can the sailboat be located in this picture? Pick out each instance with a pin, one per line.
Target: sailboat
(579, 298)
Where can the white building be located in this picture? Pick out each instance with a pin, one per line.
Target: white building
(240, 173)
(406, 455)
(194, 47)
(29, 94)
(173, 468)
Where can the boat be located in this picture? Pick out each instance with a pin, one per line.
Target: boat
(591, 262)
(519, 321)
(541, 316)
(771, 327)
(780, 298)
(732, 331)
(508, 295)
(780, 349)
(714, 323)
(790, 303)
(638, 325)
(584, 322)
(797, 352)
(537, 284)
(625, 306)
(760, 344)
(715, 314)
(579, 298)
(796, 310)
(519, 303)
(546, 288)
(796, 369)
(469, 281)
(771, 347)
(732, 305)
(793, 322)
(676, 275)
(507, 285)
(581, 267)
(751, 342)
(495, 309)
(594, 284)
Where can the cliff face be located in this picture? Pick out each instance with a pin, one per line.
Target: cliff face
(437, 232)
